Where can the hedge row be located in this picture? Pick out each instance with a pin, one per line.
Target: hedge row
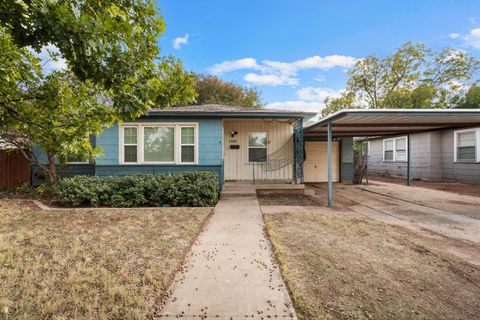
(186, 189)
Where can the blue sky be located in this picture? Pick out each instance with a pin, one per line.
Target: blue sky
(297, 52)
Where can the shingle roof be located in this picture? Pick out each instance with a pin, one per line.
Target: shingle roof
(224, 109)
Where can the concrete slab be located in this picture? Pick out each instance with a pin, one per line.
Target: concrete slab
(231, 272)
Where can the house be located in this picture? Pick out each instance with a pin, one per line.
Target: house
(240, 144)
(448, 154)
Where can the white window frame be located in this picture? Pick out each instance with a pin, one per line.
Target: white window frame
(140, 142)
(248, 144)
(194, 144)
(477, 145)
(122, 145)
(395, 149)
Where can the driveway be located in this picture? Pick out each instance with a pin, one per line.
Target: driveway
(447, 220)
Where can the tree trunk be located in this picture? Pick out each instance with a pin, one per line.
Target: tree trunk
(52, 169)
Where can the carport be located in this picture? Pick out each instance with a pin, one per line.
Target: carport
(385, 122)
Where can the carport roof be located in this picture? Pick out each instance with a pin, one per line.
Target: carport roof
(379, 122)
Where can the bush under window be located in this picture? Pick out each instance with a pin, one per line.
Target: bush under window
(185, 189)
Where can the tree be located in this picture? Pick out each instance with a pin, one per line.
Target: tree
(413, 77)
(111, 51)
(211, 89)
(471, 99)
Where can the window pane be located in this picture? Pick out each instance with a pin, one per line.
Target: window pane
(388, 155)
(401, 155)
(466, 139)
(466, 153)
(130, 154)
(159, 144)
(388, 145)
(188, 135)
(257, 154)
(257, 139)
(400, 144)
(130, 135)
(188, 154)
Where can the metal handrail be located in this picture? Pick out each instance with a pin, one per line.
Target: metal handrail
(273, 170)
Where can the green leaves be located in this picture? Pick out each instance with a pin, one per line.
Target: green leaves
(214, 90)
(111, 51)
(183, 189)
(413, 77)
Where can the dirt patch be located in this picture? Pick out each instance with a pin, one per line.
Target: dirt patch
(471, 189)
(288, 200)
(340, 267)
(90, 264)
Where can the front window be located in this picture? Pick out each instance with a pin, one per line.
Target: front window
(257, 147)
(187, 145)
(158, 143)
(395, 149)
(130, 144)
(466, 145)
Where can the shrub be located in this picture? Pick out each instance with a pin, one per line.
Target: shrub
(186, 189)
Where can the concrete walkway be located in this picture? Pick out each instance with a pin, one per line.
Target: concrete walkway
(231, 272)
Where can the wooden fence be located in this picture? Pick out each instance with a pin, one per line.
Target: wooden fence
(14, 169)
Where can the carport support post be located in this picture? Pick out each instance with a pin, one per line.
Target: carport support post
(409, 158)
(329, 154)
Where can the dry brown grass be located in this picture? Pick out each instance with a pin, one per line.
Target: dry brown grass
(90, 264)
(338, 267)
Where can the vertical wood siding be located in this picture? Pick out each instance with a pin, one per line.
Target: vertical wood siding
(280, 143)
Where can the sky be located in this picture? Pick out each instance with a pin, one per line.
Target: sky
(297, 52)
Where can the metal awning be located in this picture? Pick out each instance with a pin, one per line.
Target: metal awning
(382, 122)
(363, 123)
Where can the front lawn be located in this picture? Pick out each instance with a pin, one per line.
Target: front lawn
(340, 267)
(90, 264)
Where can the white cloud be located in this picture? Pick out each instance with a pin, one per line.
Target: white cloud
(318, 94)
(310, 99)
(177, 43)
(454, 35)
(275, 73)
(472, 20)
(232, 65)
(270, 79)
(51, 59)
(473, 38)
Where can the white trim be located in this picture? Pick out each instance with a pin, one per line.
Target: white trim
(394, 150)
(140, 142)
(369, 153)
(477, 145)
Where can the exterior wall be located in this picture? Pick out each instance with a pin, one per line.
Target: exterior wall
(280, 146)
(455, 170)
(346, 161)
(316, 163)
(432, 158)
(209, 141)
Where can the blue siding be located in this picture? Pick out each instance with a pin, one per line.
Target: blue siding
(209, 139)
